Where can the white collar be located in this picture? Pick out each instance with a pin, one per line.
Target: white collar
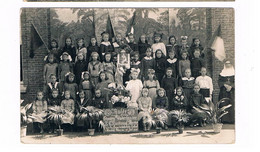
(148, 58)
(189, 79)
(106, 43)
(55, 85)
(172, 60)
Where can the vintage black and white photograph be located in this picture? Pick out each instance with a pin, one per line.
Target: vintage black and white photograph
(127, 75)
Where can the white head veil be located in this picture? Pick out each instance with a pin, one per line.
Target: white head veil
(228, 71)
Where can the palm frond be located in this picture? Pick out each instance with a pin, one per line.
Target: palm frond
(223, 114)
(224, 108)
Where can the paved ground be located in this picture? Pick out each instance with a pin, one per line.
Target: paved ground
(191, 135)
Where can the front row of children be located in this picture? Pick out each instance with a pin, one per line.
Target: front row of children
(145, 97)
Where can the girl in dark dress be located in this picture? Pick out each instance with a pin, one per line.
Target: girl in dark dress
(69, 48)
(81, 101)
(105, 45)
(99, 101)
(196, 45)
(143, 46)
(80, 66)
(160, 65)
(172, 63)
(55, 50)
(196, 64)
(226, 84)
(161, 101)
(172, 45)
(183, 47)
(180, 101)
(93, 47)
(132, 42)
(147, 63)
(169, 83)
(52, 85)
(54, 100)
(187, 83)
(71, 86)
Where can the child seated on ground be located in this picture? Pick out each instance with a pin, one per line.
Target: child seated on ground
(145, 107)
(54, 100)
(39, 112)
(197, 100)
(68, 109)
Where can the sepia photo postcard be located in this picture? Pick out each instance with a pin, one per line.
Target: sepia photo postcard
(127, 75)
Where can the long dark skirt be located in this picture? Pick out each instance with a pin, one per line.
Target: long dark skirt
(230, 117)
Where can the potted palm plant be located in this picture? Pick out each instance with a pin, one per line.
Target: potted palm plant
(93, 115)
(54, 115)
(25, 118)
(180, 117)
(215, 113)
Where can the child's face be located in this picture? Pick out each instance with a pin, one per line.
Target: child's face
(203, 71)
(197, 42)
(98, 93)
(148, 53)
(86, 76)
(196, 54)
(71, 78)
(157, 39)
(108, 57)
(134, 75)
(187, 73)
(118, 37)
(80, 43)
(158, 54)
(55, 94)
(53, 44)
(184, 56)
(81, 95)
(51, 59)
(39, 96)
(103, 76)
(145, 93)
(172, 40)
(68, 41)
(161, 93)
(143, 38)
(150, 76)
(183, 42)
(80, 56)
(94, 57)
(196, 89)
(105, 37)
(67, 95)
(65, 57)
(136, 57)
(131, 38)
(53, 79)
(93, 41)
(169, 73)
(171, 55)
(179, 92)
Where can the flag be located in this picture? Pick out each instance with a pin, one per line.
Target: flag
(132, 23)
(93, 24)
(217, 44)
(130, 29)
(36, 40)
(110, 29)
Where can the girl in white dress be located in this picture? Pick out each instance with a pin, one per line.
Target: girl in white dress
(134, 86)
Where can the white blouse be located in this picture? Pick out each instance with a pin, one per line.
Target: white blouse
(205, 83)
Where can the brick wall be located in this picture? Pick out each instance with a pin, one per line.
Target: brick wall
(225, 17)
(33, 67)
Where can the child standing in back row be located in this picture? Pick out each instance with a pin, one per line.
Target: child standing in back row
(158, 44)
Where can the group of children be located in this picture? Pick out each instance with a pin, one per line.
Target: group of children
(170, 77)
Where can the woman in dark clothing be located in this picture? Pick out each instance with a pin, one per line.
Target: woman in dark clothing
(160, 65)
(142, 46)
(93, 47)
(226, 84)
(69, 48)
